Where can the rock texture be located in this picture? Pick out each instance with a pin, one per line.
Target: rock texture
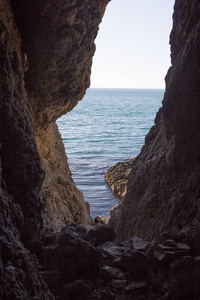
(45, 59)
(65, 203)
(164, 186)
(21, 173)
(136, 269)
(59, 48)
(117, 177)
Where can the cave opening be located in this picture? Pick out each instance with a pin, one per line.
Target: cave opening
(127, 86)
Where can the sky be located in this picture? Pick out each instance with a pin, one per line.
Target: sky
(132, 46)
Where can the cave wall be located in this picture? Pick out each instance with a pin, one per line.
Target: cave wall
(164, 186)
(59, 46)
(21, 173)
(44, 70)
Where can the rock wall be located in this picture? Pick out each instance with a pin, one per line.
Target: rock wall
(59, 47)
(46, 50)
(65, 203)
(164, 186)
(21, 173)
(45, 59)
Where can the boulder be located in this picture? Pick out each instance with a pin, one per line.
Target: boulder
(138, 244)
(137, 263)
(112, 251)
(119, 283)
(99, 219)
(100, 234)
(183, 280)
(78, 290)
(109, 273)
(136, 288)
(71, 257)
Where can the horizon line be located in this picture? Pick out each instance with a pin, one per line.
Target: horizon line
(125, 88)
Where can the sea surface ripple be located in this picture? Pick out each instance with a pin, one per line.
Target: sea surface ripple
(107, 126)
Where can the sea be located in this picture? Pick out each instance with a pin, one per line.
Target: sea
(106, 127)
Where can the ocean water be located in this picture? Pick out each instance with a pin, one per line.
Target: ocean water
(107, 126)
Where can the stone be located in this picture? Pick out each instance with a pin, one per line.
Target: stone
(118, 283)
(108, 273)
(119, 188)
(44, 71)
(77, 228)
(168, 253)
(101, 234)
(71, 257)
(114, 216)
(65, 203)
(118, 172)
(138, 244)
(112, 251)
(167, 235)
(163, 186)
(137, 263)
(100, 220)
(184, 278)
(136, 288)
(78, 290)
(117, 177)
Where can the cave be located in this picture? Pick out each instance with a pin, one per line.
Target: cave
(49, 247)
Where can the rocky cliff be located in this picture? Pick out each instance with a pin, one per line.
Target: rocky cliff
(164, 186)
(59, 47)
(45, 60)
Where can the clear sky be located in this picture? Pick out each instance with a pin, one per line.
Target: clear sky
(133, 45)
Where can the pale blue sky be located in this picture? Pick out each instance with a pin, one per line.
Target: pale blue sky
(133, 45)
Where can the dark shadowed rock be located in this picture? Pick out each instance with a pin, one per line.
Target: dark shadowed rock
(77, 228)
(78, 290)
(137, 263)
(100, 234)
(119, 283)
(137, 288)
(138, 244)
(184, 279)
(72, 256)
(109, 273)
(111, 250)
(163, 187)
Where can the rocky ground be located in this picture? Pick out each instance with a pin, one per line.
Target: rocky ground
(45, 64)
(79, 263)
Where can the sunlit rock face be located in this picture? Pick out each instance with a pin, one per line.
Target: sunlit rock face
(58, 39)
(164, 188)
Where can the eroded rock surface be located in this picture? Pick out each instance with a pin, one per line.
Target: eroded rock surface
(65, 203)
(164, 186)
(59, 48)
(74, 269)
(21, 173)
(26, 107)
(117, 177)
(45, 60)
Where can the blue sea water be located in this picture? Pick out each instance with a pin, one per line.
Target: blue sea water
(107, 126)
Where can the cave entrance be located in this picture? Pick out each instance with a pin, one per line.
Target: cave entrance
(110, 124)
